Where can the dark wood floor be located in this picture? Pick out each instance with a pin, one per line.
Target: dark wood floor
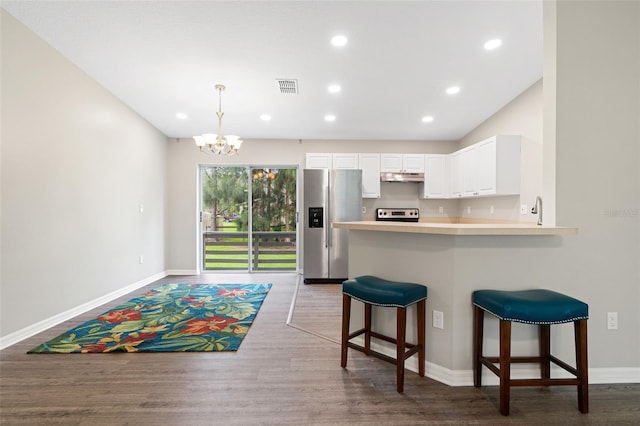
(282, 374)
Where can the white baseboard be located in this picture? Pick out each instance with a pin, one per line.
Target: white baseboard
(40, 326)
(465, 377)
(180, 272)
(614, 375)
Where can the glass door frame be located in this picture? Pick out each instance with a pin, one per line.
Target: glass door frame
(199, 219)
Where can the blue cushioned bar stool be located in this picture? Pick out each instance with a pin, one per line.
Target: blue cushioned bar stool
(375, 291)
(540, 307)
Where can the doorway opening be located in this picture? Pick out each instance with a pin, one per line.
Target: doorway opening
(248, 218)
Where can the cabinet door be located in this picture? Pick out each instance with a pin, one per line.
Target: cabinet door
(485, 168)
(345, 161)
(468, 171)
(390, 162)
(455, 174)
(413, 163)
(370, 166)
(436, 177)
(318, 161)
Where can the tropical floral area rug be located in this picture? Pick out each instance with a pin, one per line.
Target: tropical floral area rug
(169, 318)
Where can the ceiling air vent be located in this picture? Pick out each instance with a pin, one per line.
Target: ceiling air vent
(287, 86)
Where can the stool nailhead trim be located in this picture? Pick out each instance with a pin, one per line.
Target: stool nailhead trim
(531, 322)
(401, 323)
(544, 359)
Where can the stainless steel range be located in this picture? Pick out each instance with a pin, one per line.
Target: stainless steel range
(398, 215)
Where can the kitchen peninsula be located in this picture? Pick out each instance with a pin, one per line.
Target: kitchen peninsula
(457, 228)
(453, 260)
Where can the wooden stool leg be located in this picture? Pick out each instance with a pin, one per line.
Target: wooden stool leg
(421, 336)
(505, 366)
(544, 342)
(580, 329)
(367, 327)
(401, 329)
(346, 314)
(478, 327)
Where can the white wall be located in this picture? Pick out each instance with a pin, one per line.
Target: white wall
(597, 139)
(76, 164)
(522, 116)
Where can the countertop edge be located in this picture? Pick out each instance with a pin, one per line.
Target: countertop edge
(457, 228)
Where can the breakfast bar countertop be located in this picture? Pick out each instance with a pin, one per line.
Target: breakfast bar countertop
(423, 227)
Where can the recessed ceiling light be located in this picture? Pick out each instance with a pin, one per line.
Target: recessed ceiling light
(453, 90)
(329, 117)
(339, 40)
(427, 119)
(265, 117)
(334, 88)
(182, 116)
(493, 44)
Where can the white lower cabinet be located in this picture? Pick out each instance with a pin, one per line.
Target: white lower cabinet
(370, 166)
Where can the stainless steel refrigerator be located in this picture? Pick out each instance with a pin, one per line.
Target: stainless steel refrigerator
(329, 196)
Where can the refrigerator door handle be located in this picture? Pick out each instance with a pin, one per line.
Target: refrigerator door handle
(327, 223)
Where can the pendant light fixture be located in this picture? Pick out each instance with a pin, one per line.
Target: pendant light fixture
(218, 144)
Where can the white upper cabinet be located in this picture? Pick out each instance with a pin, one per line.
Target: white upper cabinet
(390, 162)
(345, 161)
(488, 168)
(469, 167)
(370, 166)
(413, 163)
(491, 167)
(406, 163)
(455, 175)
(436, 176)
(318, 161)
(331, 161)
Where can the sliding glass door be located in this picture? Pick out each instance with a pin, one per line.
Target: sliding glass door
(248, 230)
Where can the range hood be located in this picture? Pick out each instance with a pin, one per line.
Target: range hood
(401, 177)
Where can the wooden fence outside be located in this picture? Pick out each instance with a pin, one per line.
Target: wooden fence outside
(272, 250)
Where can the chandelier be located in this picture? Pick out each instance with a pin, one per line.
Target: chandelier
(218, 144)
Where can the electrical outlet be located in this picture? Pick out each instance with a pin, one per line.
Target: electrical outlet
(141, 259)
(438, 319)
(468, 209)
(440, 209)
(364, 209)
(491, 210)
(612, 320)
(523, 209)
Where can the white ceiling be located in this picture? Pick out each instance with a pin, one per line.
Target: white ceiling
(164, 57)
